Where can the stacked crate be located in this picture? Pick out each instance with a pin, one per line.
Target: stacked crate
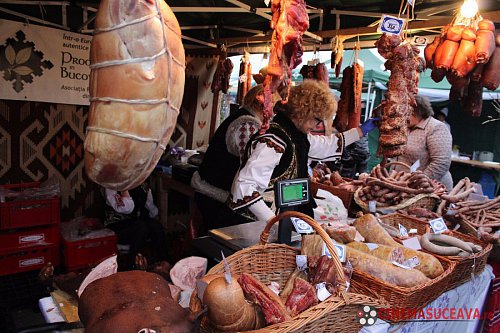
(29, 231)
(85, 243)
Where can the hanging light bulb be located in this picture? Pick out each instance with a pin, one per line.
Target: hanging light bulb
(469, 8)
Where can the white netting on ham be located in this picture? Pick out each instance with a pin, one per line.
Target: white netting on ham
(163, 52)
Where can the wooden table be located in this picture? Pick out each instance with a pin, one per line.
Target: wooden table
(477, 164)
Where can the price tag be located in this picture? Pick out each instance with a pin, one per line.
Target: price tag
(340, 251)
(390, 25)
(477, 197)
(349, 269)
(402, 231)
(411, 3)
(400, 265)
(243, 78)
(301, 227)
(301, 261)
(419, 41)
(414, 167)
(413, 231)
(412, 262)
(478, 189)
(412, 243)
(267, 2)
(438, 225)
(372, 206)
(371, 246)
(322, 292)
(227, 271)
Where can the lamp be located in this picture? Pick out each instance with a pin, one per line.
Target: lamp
(469, 8)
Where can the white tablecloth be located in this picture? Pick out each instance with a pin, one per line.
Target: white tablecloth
(470, 295)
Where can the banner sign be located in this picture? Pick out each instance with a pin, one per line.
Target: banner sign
(43, 64)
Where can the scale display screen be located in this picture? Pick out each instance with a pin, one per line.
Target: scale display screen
(292, 192)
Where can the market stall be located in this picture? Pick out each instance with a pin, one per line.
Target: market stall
(400, 247)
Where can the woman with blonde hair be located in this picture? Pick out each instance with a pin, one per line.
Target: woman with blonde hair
(282, 152)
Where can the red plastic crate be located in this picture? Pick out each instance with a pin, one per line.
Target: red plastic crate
(28, 213)
(87, 252)
(29, 258)
(20, 238)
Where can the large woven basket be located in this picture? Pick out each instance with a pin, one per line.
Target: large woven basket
(464, 268)
(275, 262)
(401, 297)
(427, 201)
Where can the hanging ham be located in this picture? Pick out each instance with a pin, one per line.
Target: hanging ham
(136, 89)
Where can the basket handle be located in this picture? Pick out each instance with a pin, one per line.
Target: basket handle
(264, 237)
(397, 163)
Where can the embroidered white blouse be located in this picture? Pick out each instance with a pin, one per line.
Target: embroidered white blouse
(255, 176)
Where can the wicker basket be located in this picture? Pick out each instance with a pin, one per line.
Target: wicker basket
(464, 267)
(401, 297)
(427, 201)
(346, 196)
(275, 262)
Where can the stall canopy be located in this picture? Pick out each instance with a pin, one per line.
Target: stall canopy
(244, 24)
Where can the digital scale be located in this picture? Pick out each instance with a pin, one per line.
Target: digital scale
(288, 195)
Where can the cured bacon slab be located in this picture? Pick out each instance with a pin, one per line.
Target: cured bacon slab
(289, 22)
(136, 89)
(404, 64)
(271, 304)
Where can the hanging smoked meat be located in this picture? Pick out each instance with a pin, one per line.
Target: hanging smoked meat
(404, 64)
(289, 22)
(355, 112)
(341, 120)
(245, 80)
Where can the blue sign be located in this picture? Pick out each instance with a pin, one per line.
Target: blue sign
(391, 25)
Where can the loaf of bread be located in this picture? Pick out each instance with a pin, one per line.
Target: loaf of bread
(136, 88)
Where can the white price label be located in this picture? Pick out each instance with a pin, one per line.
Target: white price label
(372, 206)
(412, 243)
(301, 261)
(322, 292)
(371, 246)
(402, 231)
(243, 78)
(478, 188)
(391, 25)
(477, 197)
(419, 41)
(301, 227)
(414, 167)
(340, 251)
(412, 262)
(413, 231)
(438, 225)
(400, 265)
(227, 271)
(267, 2)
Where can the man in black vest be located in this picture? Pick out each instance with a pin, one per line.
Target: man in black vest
(212, 182)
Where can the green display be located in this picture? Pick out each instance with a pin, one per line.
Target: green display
(292, 192)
